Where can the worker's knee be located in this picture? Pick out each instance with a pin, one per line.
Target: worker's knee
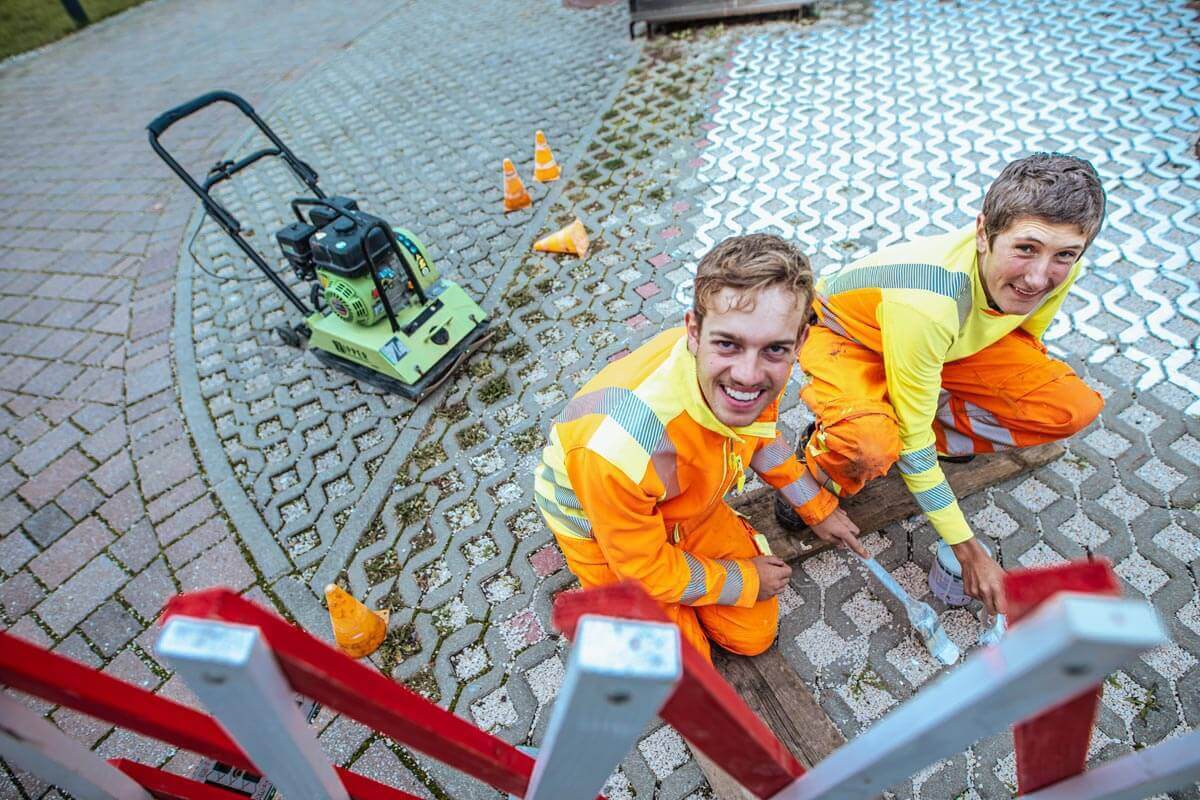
(745, 631)
(1064, 407)
(858, 447)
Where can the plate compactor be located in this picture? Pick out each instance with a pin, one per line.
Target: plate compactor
(380, 311)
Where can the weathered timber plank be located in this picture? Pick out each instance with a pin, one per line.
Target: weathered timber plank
(773, 691)
(887, 500)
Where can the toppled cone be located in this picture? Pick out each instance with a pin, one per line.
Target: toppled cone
(515, 196)
(545, 168)
(357, 629)
(572, 240)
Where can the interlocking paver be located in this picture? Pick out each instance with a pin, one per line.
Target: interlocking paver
(60, 561)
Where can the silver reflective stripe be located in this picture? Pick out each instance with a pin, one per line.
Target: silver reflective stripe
(917, 461)
(696, 587)
(985, 425)
(801, 490)
(562, 495)
(929, 277)
(732, 589)
(625, 408)
(957, 444)
(576, 526)
(935, 499)
(771, 456)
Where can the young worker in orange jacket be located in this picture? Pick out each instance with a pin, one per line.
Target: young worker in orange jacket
(932, 348)
(633, 481)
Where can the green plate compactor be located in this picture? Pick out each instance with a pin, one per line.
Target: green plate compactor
(378, 308)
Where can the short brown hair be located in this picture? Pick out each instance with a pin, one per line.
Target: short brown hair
(749, 264)
(1050, 186)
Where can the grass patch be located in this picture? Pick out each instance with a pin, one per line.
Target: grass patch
(411, 510)
(520, 297)
(613, 163)
(423, 540)
(471, 436)
(454, 411)
(514, 353)
(588, 176)
(495, 389)
(429, 455)
(400, 643)
(527, 440)
(425, 684)
(480, 369)
(381, 567)
(29, 24)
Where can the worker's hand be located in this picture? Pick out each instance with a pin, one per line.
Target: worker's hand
(773, 575)
(839, 529)
(982, 577)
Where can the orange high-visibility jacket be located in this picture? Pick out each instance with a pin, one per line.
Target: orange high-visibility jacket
(637, 455)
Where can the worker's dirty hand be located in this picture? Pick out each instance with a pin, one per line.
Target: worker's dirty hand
(839, 529)
(982, 577)
(773, 575)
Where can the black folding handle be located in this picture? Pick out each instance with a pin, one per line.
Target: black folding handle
(169, 118)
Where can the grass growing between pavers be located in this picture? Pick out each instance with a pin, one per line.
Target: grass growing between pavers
(29, 24)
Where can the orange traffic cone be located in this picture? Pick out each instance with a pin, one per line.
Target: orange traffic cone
(572, 240)
(515, 196)
(544, 166)
(357, 629)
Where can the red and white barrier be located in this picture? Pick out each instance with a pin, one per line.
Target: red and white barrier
(246, 663)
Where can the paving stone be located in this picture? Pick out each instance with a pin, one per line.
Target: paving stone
(79, 499)
(55, 478)
(196, 542)
(128, 667)
(177, 498)
(185, 520)
(104, 443)
(223, 565)
(15, 551)
(67, 605)
(149, 590)
(19, 593)
(76, 649)
(381, 764)
(58, 562)
(111, 627)
(137, 547)
(56, 442)
(343, 738)
(172, 465)
(123, 509)
(47, 524)
(114, 473)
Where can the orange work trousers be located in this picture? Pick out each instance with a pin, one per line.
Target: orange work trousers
(1010, 394)
(746, 631)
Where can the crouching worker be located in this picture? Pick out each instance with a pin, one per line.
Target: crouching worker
(932, 349)
(633, 481)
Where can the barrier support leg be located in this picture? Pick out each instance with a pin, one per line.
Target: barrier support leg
(31, 743)
(1071, 642)
(230, 669)
(1173, 764)
(618, 676)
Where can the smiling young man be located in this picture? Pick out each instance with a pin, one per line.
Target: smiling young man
(633, 481)
(932, 348)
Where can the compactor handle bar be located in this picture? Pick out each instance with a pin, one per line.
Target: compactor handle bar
(225, 170)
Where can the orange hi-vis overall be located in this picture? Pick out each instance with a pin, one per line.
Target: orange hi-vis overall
(909, 361)
(633, 485)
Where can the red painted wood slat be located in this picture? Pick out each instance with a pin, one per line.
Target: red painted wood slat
(1053, 745)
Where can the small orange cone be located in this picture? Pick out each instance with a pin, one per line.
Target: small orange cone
(515, 196)
(572, 240)
(357, 629)
(544, 166)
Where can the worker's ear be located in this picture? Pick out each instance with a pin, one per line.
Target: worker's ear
(692, 323)
(981, 239)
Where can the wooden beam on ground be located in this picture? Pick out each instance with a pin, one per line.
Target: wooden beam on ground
(887, 500)
(774, 692)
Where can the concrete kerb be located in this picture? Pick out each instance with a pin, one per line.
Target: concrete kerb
(270, 560)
